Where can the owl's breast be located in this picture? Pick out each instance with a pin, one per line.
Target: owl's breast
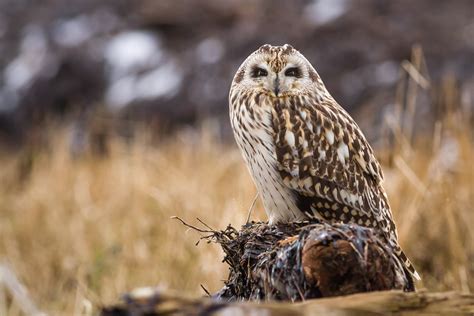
(253, 131)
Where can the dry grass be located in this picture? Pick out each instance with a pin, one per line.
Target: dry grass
(78, 230)
(94, 228)
(89, 228)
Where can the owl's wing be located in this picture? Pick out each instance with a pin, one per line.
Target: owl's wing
(325, 159)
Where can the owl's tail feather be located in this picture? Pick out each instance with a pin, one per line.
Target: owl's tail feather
(408, 265)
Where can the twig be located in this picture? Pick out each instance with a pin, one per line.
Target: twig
(193, 227)
(88, 293)
(251, 208)
(393, 123)
(205, 290)
(408, 172)
(415, 74)
(17, 290)
(200, 221)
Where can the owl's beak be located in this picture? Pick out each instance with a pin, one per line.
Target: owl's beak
(276, 86)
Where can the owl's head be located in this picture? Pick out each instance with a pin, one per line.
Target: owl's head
(276, 71)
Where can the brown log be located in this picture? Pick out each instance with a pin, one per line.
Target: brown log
(374, 303)
(338, 268)
(299, 261)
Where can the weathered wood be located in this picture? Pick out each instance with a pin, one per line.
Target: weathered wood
(299, 261)
(153, 303)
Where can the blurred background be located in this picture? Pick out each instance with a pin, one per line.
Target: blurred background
(114, 117)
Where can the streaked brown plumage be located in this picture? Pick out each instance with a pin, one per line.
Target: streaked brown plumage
(305, 153)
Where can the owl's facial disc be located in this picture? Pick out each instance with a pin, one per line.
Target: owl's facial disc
(277, 72)
(278, 82)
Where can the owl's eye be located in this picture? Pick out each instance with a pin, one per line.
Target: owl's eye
(259, 72)
(293, 72)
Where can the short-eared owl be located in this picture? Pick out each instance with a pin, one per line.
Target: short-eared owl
(305, 153)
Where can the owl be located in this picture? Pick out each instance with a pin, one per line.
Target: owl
(307, 156)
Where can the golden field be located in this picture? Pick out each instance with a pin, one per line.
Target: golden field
(79, 232)
(84, 231)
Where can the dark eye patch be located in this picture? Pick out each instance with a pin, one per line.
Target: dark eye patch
(293, 72)
(259, 72)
